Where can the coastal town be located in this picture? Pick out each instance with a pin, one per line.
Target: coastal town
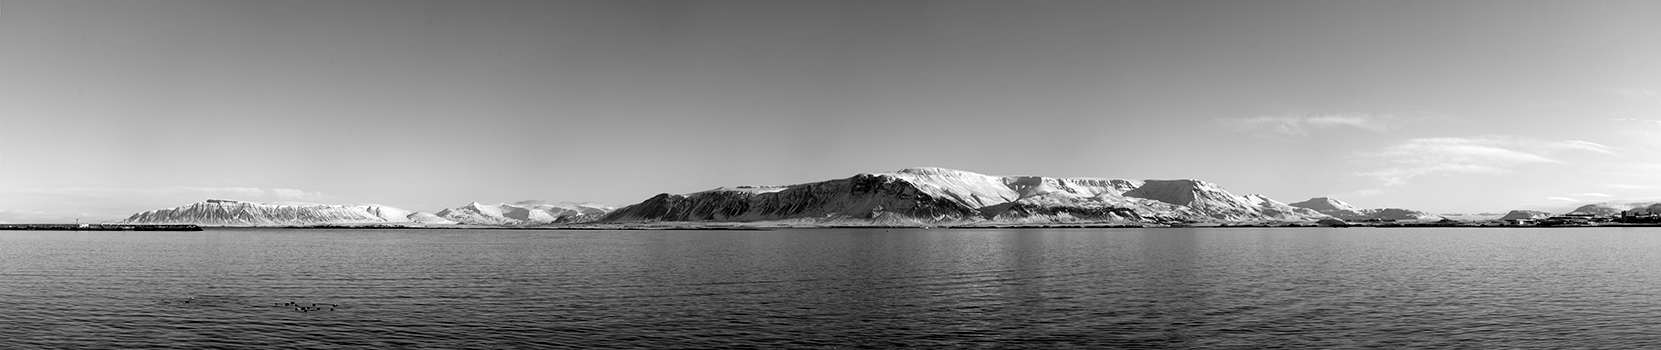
(1622, 218)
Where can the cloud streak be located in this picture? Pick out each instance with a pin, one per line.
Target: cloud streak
(1636, 92)
(1581, 145)
(237, 192)
(1467, 155)
(1304, 126)
(276, 193)
(1642, 131)
(1357, 193)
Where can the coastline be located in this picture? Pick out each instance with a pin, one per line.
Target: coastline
(100, 227)
(767, 226)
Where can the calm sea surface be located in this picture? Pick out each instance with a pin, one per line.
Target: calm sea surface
(829, 288)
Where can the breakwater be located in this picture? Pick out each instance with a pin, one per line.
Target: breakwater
(99, 227)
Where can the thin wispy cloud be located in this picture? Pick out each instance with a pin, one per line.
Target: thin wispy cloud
(1357, 193)
(274, 193)
(1638, 120)
(1467, 155)
(1636, 92)
(1563, 199)
(1643, 131)
(246, 193)
(1590, 194)
(1307, 125)
(1583, 146)
(1635, 174)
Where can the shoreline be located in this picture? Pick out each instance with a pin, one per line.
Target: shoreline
(753, 227)
(100, 227)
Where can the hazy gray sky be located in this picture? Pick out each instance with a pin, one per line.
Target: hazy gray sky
(112, 107)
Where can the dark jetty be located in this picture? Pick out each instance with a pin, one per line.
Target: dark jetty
(99, 227)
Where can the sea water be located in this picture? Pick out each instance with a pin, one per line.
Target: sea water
(834, 288)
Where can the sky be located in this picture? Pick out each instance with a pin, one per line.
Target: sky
(113, 107)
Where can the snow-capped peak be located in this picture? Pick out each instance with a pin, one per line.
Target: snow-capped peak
(1325, 204)
(933, 194)
(526, 212)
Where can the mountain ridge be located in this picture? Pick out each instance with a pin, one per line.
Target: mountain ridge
(918, 196)
(1344, 211)
(1615, 207)
(224, 212)
(524, 213)
(948, 196)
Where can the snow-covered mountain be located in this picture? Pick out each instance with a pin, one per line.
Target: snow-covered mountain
(1219, 204)
(938, 195)
(221, 212)
(531, 212)
(1615, 208)
(1347, 212)
(1325, 204)
(1525, 214)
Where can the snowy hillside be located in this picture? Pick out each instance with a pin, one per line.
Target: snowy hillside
(1347, 212)
(1525, 215)
(938, 195)
(1219, 204)
(220, 212)
(1615, 208)
(522, 213)
(1324, 204)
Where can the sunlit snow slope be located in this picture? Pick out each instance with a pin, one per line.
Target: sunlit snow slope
(938, 195)
(1525, 215)
(1615, 208)
(220, 212)
(1341, 210)
(531, 212)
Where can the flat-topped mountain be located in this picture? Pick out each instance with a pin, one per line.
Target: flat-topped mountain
(220, 212)
(1525, 215)
(936, 195)
(1347, 212)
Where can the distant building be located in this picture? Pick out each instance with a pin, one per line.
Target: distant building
(1564, 220)
(1639, 216)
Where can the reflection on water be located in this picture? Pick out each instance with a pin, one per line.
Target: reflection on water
(853, 288)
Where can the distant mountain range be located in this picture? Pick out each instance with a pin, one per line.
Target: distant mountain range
(1615, 208)
(1344, 211)
(929, 196)
(907, 197)
(220, 212)
(524, 213)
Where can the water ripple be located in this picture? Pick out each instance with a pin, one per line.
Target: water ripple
(1122, 288)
